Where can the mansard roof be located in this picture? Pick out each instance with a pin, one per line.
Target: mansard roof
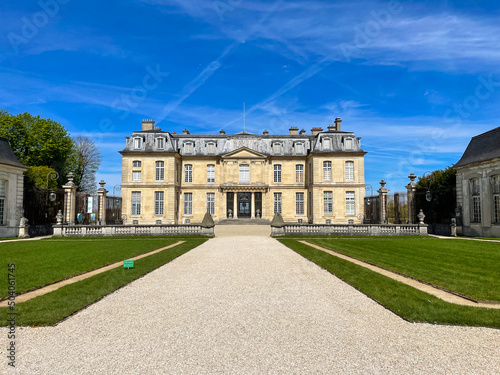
(7, 156)
(482, 147)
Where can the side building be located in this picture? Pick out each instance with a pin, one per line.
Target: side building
(478, 186)
(170, 178)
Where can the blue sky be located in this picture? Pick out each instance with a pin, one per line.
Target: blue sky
(414, 79)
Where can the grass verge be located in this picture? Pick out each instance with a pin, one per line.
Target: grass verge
(53, 307)
(405, 301)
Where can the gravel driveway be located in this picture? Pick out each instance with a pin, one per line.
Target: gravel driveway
(247, 305)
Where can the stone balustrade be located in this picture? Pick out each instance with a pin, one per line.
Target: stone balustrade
(130, 230)
(351, 230)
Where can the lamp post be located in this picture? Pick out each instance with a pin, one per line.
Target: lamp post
(369, 200)
(428, 176)
(52, 195)
(116, 187)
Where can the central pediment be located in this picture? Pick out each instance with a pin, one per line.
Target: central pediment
(244, 153)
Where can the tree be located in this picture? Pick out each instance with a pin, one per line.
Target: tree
(37, 141)
(442, 186)
(85, 160)
(39, 176)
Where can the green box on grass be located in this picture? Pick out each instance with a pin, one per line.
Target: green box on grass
(128, 264)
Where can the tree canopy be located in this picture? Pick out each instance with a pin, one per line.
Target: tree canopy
(84, 162)
(442, 186)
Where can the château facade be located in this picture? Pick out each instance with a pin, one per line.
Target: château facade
(170, 178)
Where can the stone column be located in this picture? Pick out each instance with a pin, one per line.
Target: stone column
(101, 203)
(382, 193)
(70, 200)
(412, 208)
(252, 205)
(396, 209)
(235, 205)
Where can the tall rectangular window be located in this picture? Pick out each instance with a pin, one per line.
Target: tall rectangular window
(160, 170)
(327, 144)
(136, 203)
(277, 203)
(476, 200)
(277, 172)
(160, 143)
(349, 171)
(188, 203)
(328, 202)
(2, 200)
(136, 175)
(495, 184)
(244, 174)
(299, 203)
(327, 170)
(159, 202)
(299, 173)
(210, 173)
(276, 148)
(348, 144)
(211, 203)
(350, 206)
(137, 143)
(299, 148)
(188, 148)
(188, 173)
(211, 148)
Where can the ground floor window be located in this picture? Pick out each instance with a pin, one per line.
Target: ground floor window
(2, 200)
(476, 209)
(211, 203)
(496, 208)
(159, 202)
(328, 202)
(188, 203)
(350, 208)
(136, 203)
(299, 203)
(277, 203)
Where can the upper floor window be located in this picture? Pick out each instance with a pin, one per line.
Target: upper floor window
(136, 164)
(299, 148)
(188, 148)
(211, 148)
(277, 173)
(244, 174)
(299, 173)
(210, 173)
(348, 144)
(136, 175)
(327, 144)
(349, 171)
(327, 170)
(137, 143)
(188, 173)
(160, 143)
(277, 148)
(476, 200)
(160, 170)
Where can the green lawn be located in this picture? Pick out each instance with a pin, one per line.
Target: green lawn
(44, 262)
(471, 268)
(52, 307)
(407, 302)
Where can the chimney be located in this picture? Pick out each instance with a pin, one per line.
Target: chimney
(332, 127)
(294, 130)
(316, 130)
(337, 124)
(222, 131)
(302, 132)
(147, 124)
(185, 131)
(265, 132)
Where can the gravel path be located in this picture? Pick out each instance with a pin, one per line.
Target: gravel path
(247, 305)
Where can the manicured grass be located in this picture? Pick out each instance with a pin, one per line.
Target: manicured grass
(44, 262)
(52, 307)
(471, 268)
(407, 302)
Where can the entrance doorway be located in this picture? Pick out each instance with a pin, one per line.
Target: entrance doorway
(244, 209)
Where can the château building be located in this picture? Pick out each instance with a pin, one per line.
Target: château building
(170, 178)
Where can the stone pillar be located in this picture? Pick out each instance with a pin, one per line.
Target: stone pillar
(101, 203)
(235, 205)
(70, 200)
(382, 193)
(412, 205)
(396, 209)
(252, 205)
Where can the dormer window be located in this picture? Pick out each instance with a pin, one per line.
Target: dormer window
(188, 148)
(277, 148)
(348, 143)
(211, 148)
(327, 144)
(299, 148)
(160, 143)
(137, 143)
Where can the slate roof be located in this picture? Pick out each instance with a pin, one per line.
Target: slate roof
(481, 148)
(7, 155)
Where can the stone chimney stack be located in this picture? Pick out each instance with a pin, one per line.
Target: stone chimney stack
(294, 130)
(222, 131)
(337, 124)
(302, 132)
(147, 124)
(316, 130)
(265, 132)
(185, 131)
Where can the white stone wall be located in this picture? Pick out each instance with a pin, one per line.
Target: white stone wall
(14, 181)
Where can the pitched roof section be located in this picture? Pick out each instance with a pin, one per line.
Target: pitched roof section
(7, 155)
(482, 147)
